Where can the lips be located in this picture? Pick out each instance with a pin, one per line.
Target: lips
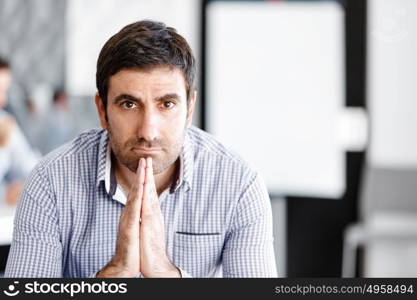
(147, 150)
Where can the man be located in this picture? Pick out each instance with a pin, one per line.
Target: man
(149, 195)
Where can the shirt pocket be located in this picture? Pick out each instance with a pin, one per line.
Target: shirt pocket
(198, 254)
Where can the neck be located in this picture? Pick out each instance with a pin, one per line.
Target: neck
(125, 177)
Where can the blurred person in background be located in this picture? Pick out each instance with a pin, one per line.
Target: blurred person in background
(34, 125)
(57, 127)
(16, 156)
(51, 127)
(148, 194)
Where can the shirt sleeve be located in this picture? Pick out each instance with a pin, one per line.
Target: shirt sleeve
(36, 249)
(249, 250)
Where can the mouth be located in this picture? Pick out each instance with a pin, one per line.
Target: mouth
(147, 150)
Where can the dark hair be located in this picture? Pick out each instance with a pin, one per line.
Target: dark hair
(4, 64)
(57, 93)
(144, 45)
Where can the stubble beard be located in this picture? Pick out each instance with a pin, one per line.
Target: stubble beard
(130, 159)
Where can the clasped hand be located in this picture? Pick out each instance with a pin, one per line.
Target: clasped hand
(140, 247)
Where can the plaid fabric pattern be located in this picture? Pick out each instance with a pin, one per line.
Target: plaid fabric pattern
(218, 219)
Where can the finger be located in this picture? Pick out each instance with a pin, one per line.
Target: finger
(149, 171)
(149, 187)
(150, 180)
(140, 179)
(134, 202)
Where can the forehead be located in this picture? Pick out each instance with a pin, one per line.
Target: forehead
(155, 79)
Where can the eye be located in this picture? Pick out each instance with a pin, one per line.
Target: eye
(168, 104)
(128, 104)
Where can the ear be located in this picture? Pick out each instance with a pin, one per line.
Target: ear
(190, 109)
(101, 111)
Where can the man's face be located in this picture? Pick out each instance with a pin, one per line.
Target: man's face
(5, 79)
(146, 116)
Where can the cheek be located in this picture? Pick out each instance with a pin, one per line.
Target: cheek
(122, 128)
(118, 120)
(174, 133)
(177, 124)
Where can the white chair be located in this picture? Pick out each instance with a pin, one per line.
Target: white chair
(387, 230)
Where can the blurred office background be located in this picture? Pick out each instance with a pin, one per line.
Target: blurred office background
(318, 96)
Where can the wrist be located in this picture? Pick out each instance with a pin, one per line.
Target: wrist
(115, 271)
(169, 271)
(173, 273)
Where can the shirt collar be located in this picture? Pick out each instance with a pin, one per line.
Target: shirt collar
(106, 174)
(101, 158)
(187, 166)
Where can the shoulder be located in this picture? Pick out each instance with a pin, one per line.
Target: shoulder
(84, 147)
(65, 165)
(205, 142)
(211, 152)
(81, 144)
(220, 171)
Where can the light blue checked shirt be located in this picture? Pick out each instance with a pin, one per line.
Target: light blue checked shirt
(217, 215)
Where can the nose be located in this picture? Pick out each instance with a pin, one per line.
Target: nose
(148, 128)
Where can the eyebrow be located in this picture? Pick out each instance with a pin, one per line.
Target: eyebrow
(122, 97)
(168, 96)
